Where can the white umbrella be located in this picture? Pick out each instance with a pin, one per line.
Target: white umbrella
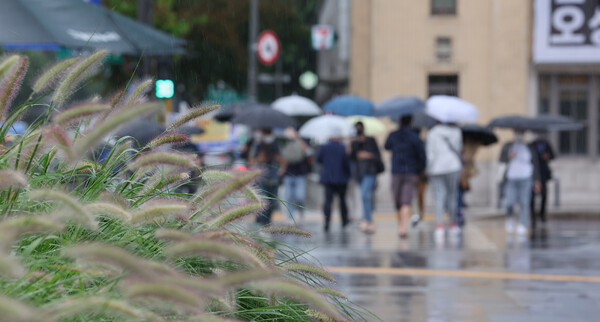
(450, 109)
(322, 128)
(295, 105)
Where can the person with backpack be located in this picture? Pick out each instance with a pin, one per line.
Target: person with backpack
(298, 156)
(266, 156)
(408, 161)
(366, 158)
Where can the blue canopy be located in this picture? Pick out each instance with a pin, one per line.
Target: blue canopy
(349, 105)
(399, 106)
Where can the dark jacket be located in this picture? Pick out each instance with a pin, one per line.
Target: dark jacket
(335, 162)
(541, 147)
(534, 160)
(408, 152)
(365, 167)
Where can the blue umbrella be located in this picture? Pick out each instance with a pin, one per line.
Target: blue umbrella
(399, 106)
(347, 105)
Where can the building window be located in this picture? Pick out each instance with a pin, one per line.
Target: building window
(574, 103)
(443, 7)
(443, 49)
(443, 85)
(544, 94)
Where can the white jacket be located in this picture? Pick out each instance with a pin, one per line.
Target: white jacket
(443, 147)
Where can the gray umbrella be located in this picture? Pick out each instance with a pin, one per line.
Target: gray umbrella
(423, 121)
(227, 112)
(541, 123)
(44, 24)
(143, 131)
(260, 118)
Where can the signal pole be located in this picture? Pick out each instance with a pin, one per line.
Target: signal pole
(253, 33)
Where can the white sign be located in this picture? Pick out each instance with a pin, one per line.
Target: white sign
(566, 31)
(322, 37)
(267, 47)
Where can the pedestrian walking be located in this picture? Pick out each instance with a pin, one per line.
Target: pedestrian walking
(408, 161)
(366, 159)
(266, 156)
(544, 153)
(444, 165)
(335, 173)
(522, 174)
(298, 156)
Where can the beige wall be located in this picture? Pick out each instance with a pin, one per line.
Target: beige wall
(393, 51)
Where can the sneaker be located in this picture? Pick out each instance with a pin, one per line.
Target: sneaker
(521, 230)
(439, 232)
(455, 230)
(510, 226)
(364, 226)
(414, 220)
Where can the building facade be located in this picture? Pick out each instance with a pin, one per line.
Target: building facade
(504, 56)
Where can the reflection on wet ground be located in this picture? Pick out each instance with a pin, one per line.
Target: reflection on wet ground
(475, 277)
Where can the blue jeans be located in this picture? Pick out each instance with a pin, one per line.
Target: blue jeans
(367, 184)
(295, 193)
(270, 192)
(445, 191)
(518, 191)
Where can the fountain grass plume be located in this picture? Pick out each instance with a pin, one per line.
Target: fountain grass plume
(168, 138)
(309, 269)
(100, 130)
(298, 292)
(286, 230)
(78, 213)
(96, 305)
(139, 91)
(15, 226)
(157, 213)
(60, 138)
(7, 63)
(159, 180)
(78, 73)
(153, 159)
(10, 268)
(198, 286)
(51, 76)
(172, 235)
(331, 292)
(172, 293)
(11, 179)
(113, 255)
(317, 316)
(215, 176)
(192, 114)
(13, 310)
(235, 214)
(236, 183)
(240, 278)
(109, 209)
(213, 249)
(12, 84)
(79, 112)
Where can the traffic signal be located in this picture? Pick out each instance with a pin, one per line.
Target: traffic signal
(165, 88)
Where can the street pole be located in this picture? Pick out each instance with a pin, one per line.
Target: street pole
(279, 78)
(253, 33)
(144, 15)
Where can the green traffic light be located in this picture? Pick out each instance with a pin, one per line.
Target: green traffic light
(165, 88)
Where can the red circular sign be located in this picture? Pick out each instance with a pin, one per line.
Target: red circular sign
(267, 47)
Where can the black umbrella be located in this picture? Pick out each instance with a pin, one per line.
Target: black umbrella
(44, 24)
(423, 121)
(553, 122)
(143, 131)
(260, 118)
(227, 112)
(479, 133)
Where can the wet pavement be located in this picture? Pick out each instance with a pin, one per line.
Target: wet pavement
(483, 275)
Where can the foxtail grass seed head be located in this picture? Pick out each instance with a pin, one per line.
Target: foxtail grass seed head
(236, 183)
(331, 292)
(309, 269)
(156, 213)
(51, 76)
(10, 267)
(18, 225)
(168, 138)
(172, 235)
(12, 84)
(58, 136)
(235, 214)
(172, 293)
(214, 249)
(154, 159)
(111, 123)
(139, 92)
(7, 63)
(13, 310)
(77, 212)
(79, 112)
(191, 115)
(109, 209)
(285, 230)
(95, 305)
(67, 86)
(318, 316)
(113, 255)
(239, 278)
(10, 179)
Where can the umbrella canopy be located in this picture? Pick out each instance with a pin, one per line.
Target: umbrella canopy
(49, 25)
(479, 133)
(349, 105)
(373, 125)
(143, 131)
(227, 112)
(263, 118)
(540, 123)
(423, 121)
(552, 122)
(322, 128)
(450, 109)
(295, 105)
(399, 106)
